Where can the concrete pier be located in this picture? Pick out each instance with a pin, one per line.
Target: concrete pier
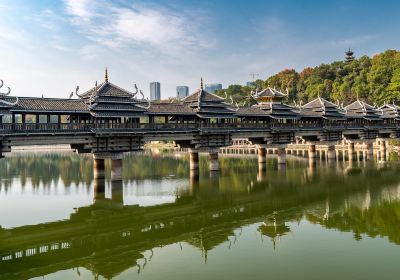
(262, 154)
(194, 159)
(213, 158)
(370, 150)
(99, 193)
(312, 151)
(331, 153)
(281, 155)
(262, 171)
(98, 168)
(350, 148)
(116, 169)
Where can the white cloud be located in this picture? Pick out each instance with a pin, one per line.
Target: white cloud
(115, 26)
(80, 8)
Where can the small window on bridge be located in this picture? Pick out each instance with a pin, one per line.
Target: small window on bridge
(65, 118)
(7, 118)
(144, 119)
(53, 118)
(42, 118)
(30, 118)
(18, 118)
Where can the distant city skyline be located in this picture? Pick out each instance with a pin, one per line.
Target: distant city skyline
(50, 47)
(212, 87)
(182, 91)
(155, 91)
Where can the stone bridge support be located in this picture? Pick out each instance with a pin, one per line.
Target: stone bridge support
(116, 167)
(370, 150)
(281, 155)
(262, 154)
(312, 152)
(194, 159)
(331, 152)
(213, 158)
(98, 167)
(350, 148)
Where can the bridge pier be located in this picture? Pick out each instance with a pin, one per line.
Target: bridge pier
(99, 192)
(370, 150)
(116, 167)
(281, 155)
(351, 150)
(213, 158)
(312, 151)
(382, 150)
(194, 159)
(331, 153)
(98, 167)
(262, 154)
(261, 171)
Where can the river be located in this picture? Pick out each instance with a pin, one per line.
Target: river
(324, 220)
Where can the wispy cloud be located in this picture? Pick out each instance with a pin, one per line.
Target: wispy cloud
(116, 26)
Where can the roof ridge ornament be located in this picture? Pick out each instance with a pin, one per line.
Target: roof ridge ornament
(8, 89)
(76, 92)
(201, 83)
(106, 76)
(136, 91)
(3, 94)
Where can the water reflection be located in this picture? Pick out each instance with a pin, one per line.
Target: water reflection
(108, 235)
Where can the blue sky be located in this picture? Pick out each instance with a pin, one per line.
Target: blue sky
(49, 47)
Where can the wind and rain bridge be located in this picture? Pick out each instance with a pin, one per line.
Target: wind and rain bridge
(107, 121)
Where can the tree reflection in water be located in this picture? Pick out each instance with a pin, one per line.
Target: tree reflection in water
(108, 237)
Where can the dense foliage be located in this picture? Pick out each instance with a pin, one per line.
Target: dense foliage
(375, 80)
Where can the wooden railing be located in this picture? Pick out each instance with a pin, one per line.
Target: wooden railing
(89, 127)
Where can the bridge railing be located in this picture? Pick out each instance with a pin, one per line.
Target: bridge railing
(37, 127)
(235, 125)
(88, 127)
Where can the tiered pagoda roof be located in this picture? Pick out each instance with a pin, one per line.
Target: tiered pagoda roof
(208, 105)
(109, 100)
(270, 103)
(360, 109)
(390, 111)
(322, 108)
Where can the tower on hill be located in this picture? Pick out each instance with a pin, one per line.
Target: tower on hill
(349, 56)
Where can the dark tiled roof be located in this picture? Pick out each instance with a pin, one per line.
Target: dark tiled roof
(208, 105)
(251, 111)
(360, 109)
(107, 100)
(32, 104)
(204, 96)
(278, 110)
(390, 111)
(171, 108)
(270, 92)
(320, 107)
(107, 90)
(8, 99)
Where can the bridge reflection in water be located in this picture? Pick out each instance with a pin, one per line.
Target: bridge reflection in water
(108, 236)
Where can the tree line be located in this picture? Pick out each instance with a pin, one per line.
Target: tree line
(375, 80)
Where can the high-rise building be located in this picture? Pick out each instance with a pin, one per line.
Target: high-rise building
(249, 84)
(213, 87)
(182, 91)
(155, 91)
